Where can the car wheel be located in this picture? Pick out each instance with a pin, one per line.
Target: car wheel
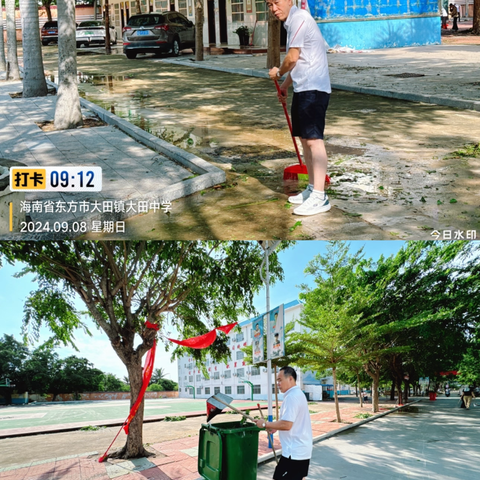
(131, 55)
(44, 43)
(176, 47)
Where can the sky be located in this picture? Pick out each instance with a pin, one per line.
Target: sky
(97, 348)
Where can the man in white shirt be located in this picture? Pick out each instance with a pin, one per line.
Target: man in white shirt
(306, 67)
(294, 429)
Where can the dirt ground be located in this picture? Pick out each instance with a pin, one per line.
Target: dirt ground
(394, 171)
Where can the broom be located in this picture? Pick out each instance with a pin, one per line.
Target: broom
(292, 172)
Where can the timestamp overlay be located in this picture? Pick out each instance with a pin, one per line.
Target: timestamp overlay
(76, 215)
(56, 179)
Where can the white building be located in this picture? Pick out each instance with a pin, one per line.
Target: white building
(239, 380)
(222, 18)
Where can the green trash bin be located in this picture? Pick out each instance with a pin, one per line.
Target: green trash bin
(228, 451)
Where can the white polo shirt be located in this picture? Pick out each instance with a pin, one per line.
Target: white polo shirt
(298, 441)
(311, 69)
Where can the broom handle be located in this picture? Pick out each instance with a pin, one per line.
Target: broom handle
(270, 435)
(234, 409)
(289, 122)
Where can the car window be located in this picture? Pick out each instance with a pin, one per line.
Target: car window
(50, 25)
(91, 24)
(146, 20)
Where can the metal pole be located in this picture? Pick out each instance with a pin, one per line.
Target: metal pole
(269, 361)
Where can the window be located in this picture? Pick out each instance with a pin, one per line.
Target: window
(257, 389)
(207, 390)
(237, 12)
(261, 10)
(240, 355)
(239, 337)
(241, 390)
(199, 378)
(182, 7)
(216, 375)
(255, 371)
(228, 374)
(240, 372)
(216, 390)
(228, 390)
(199, 390)
(190, 378)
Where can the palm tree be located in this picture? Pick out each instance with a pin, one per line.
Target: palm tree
(158, 374)
(34, 84)
(67, 110)
(3, 62)
(12, 71)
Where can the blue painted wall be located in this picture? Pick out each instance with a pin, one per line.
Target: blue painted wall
(382, 33)
(342, 9)
(370, 24)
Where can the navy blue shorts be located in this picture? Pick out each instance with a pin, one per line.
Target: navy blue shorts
(308, 114)
(288, 469)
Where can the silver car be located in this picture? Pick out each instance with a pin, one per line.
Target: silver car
(92, 32)
(166, 32)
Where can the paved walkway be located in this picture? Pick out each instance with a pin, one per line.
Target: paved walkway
(431, 440)
(439, 74)
(176, 459)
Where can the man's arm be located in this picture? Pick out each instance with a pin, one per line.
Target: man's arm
(277, 425)
(287, 65)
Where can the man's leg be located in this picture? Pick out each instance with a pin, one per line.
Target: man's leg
(316, 159)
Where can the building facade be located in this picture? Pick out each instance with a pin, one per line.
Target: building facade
(242, 381)
(358, 24)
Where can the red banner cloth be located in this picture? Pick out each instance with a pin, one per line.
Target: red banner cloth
(205, 340)
(147, 375)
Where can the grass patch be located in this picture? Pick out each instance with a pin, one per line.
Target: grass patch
(469, 150)
(175, 419)
(91, 428)
(363, 415)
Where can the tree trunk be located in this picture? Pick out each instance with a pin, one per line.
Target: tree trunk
(95, 8)
(335, 395)
(138, 8)
(405, 398)
(392, 391)
(67, 110)
(199, 20)
(108, 48)
(134, 448)
(34, 84)
(3, 61)
(399, 392)
(273, 52)
(12, 67)
(476, 17)
(46, 4)
(359, 391)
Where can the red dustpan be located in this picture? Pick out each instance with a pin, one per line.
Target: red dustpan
(292, 171)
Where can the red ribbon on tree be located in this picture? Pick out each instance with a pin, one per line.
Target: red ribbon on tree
(202, 341)
(205, 340)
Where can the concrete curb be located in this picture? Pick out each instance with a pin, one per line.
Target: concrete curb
(411, 97)
(270, 456)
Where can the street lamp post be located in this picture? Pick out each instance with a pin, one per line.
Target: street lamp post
(268, 248)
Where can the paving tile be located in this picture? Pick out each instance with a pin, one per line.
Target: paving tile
(175, 471)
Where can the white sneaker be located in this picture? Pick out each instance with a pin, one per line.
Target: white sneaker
(312, 205)
(301, 197)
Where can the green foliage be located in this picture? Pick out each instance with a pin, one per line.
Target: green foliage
(363, 415)
(155, 387)
(91, 428)
(175, 419)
